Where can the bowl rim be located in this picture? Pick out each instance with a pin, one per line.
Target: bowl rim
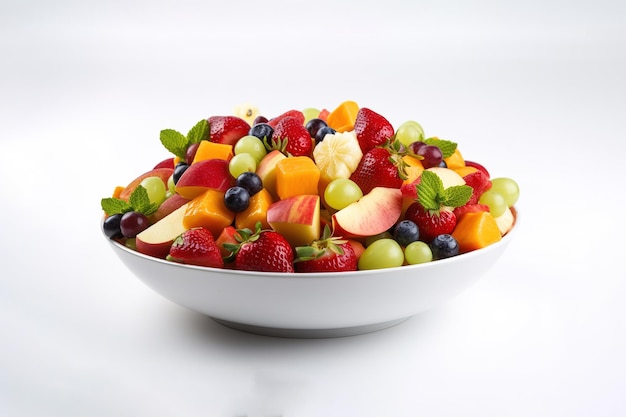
(329, 275)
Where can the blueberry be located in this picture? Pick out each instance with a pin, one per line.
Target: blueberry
(250, 181)
(179, 170)
(319, 136)
(111, 226)
(444, 246)
(262, 131)
(237, 199)
(406, 232)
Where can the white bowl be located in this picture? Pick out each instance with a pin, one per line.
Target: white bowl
(313, 305)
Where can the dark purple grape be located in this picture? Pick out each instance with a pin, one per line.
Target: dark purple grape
(179, 170)
(191, 152)
(250, 181)
(431, 154)
(237, 199)
(111, 226)
(444, 246)
(415, 146)
(314, 125)
(406, 232)
(259, 119)
(132, 223)
(319, 136)
(262, 131)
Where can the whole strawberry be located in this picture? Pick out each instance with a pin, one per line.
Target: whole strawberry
(291, 137)
(262, 250)
(381, 166)
(227, 129)
(371, 129)
(432, 210)
(196, 247)
(297, 114)
(329, 254)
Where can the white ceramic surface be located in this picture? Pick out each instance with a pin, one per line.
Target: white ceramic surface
(312, 304)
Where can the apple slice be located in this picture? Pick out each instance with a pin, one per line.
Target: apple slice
(374, 213)
(505, 221)
(204, 175)
(169, 205)
(297, 218)
(267, 171)
(448, 176)
(157, 239)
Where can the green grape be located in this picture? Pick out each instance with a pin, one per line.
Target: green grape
(241, 163)
(310, 113)
(409, 132)
(383, 253)
(418, 252)
(341, 192)
(252, 145)
(171, 186)
(506, 187)
(495, 201)
(155, 188)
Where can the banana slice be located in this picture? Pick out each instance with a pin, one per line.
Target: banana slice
(338, 155)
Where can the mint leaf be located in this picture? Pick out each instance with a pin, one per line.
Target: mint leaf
(140, 201)
(199, 132)
(429, 190)
(113, 206)
(447, 147)
(457, 195)
(175, 142)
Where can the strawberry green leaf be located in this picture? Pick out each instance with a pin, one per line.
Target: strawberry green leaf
(140, 201)
(199, 132)
(429, 190)
(175, 142)
(457, 195)
(447, 147)
(113, 206)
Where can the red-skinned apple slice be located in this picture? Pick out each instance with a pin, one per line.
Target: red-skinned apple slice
(374, 213)
(297, 218)
(169, 205)
(267, 171)
(204, 175)
(157, 239)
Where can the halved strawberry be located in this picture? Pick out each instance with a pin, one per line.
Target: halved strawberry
(196, 247)
(227, 129)
(381, 166)
(261, 250)
(297, 114)
(291, 137)
(329, 254)
(371, 129)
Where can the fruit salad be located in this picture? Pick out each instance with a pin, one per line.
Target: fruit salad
(309, 191)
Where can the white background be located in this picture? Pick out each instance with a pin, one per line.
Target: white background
(534, 90)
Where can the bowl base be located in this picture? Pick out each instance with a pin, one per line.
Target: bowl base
(310, 333)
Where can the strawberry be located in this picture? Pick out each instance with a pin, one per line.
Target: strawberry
(371, 129)
(469, 208)
(479, 181)
(196, 247)
(297, 114)
(432, 210)
(292, 138)
(381, 166)
(227, 129)
(261, 250)
(329, 254)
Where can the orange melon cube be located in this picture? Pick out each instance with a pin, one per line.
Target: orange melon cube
(343, 117)
(465, 170)
(413, 169)
(208, 210)
(256, 211)
(117, 191)
(296, 175)
(455, 160)
(212, 150)
(476, 231)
